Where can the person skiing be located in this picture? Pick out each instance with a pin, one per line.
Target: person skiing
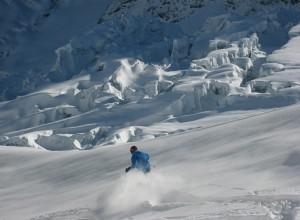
(139, 160)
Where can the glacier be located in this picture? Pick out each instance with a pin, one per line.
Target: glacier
(210, 88)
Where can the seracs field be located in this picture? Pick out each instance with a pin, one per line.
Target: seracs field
(209, 88)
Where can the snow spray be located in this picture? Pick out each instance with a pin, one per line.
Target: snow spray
(137, 189)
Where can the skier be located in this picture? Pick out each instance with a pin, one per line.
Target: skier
(139, 160)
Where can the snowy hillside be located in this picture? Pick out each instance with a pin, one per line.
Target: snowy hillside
(242, 166)
(210, 88)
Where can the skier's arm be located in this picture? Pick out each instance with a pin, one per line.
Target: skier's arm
(147, 157)
(134, 161)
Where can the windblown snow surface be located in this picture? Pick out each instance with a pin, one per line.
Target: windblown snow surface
(210, 89)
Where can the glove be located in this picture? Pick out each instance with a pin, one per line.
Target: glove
(127, 169)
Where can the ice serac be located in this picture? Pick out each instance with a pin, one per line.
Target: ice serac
(148, 28)
(223, 53)
(135, 80)
(281, 72)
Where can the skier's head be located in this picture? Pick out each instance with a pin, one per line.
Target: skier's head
(133, 149)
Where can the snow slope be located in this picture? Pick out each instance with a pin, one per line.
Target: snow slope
(242, 168)
(209, 88)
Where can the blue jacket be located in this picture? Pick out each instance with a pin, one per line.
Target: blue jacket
(140, 161)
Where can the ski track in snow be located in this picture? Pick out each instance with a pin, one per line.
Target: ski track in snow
(74, 214)
(261, 208)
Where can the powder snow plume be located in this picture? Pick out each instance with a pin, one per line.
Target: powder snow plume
(137, 190)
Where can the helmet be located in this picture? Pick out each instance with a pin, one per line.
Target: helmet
(133, 149)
